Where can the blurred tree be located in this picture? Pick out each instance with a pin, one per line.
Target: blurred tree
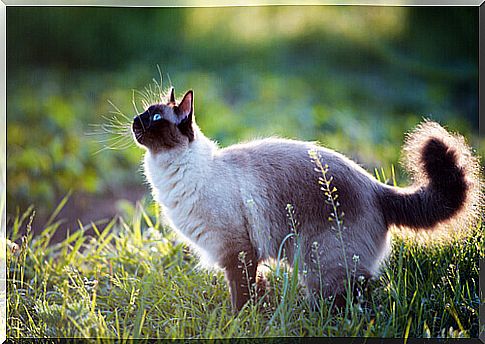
(85, 37)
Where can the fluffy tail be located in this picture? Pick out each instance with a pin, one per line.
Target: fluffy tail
(447, 184)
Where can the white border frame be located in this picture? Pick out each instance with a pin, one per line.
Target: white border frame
(233, 3)
(3, 172)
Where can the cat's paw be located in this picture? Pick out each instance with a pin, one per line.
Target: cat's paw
(263, 293)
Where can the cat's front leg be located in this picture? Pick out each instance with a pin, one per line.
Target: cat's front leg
(240, 269)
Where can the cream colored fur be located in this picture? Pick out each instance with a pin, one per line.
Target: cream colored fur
(215, 197)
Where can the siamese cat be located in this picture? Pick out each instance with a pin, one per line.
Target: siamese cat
(228, 202)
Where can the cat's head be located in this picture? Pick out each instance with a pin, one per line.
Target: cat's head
(166, 126)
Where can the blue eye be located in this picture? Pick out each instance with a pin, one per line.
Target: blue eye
(157, 117)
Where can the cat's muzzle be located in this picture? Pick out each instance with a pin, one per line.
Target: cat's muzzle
(139, 129)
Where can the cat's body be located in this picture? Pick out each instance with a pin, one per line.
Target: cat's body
(232, 200)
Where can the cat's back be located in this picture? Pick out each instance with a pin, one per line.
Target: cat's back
(286, 156)
(281, 171)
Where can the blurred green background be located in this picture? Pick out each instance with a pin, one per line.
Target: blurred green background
(355, 78)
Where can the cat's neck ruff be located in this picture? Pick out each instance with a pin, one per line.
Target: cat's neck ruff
(177, 173)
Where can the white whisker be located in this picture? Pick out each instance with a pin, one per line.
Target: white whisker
(115, 133)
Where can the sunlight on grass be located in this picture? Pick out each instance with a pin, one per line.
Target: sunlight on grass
(253, 25)
(133, 279)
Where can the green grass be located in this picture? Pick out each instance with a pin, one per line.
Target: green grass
(133, 280)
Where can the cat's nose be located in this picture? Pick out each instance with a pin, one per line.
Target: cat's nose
(139, 118)
(137, 122)
(142, 121)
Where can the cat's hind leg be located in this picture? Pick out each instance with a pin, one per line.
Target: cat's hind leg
(240, 267)
(331, 272)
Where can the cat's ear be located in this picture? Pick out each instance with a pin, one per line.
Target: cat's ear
(186, 107)
(185, 114)
(172, 96)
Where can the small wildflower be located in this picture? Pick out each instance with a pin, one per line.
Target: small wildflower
(14, 248)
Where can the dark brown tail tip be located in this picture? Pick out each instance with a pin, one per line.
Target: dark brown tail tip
(446, 178)
(447, 181)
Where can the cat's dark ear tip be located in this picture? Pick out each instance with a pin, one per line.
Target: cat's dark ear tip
(172, 95)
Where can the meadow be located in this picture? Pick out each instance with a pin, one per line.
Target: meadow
(88, 252)
(133, 279)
